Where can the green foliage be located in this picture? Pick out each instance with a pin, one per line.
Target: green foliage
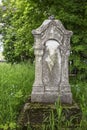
(15, 86)
(79, 90)
(21, 16)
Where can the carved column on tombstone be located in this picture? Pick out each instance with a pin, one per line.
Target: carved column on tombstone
(38, 84)
(64, 75)
(65, 91)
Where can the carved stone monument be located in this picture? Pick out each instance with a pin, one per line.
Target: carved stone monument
(52, 50)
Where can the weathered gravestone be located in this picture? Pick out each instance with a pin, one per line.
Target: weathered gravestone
(52, 50)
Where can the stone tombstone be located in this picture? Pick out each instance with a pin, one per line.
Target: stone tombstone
(52, 50)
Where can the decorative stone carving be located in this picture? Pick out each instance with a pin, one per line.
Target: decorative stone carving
(52, 49)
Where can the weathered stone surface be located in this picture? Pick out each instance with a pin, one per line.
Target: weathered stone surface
(38, 114)
(52, 49)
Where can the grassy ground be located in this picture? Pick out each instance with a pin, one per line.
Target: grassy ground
(15, 87)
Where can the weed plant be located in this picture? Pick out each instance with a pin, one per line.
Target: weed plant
(15, 87)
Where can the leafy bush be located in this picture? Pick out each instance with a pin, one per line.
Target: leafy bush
(21, 16)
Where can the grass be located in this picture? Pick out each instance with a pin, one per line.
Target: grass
(15, 87)
(79, 90)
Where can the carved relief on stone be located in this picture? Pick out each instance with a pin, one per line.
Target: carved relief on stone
(51, 65)
(51, 49)
(52, 32)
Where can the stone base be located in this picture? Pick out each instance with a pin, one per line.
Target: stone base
(51, 97)
(66, 98)
(37, 115)
(44, 97)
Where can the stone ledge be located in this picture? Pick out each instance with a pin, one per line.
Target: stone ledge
(51, 97)
(35, 114)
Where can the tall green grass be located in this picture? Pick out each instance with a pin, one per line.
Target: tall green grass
(79, 90)
(15, 87)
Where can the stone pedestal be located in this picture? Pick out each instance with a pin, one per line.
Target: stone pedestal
(35, 116)
(52, 49)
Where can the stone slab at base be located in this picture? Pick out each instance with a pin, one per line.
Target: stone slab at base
(51, 97)
(66, 98)
(34, 115)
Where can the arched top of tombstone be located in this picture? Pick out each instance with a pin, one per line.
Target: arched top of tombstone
(52, 29)
(49, 22)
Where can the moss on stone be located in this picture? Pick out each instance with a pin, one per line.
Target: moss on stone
(34, 114)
